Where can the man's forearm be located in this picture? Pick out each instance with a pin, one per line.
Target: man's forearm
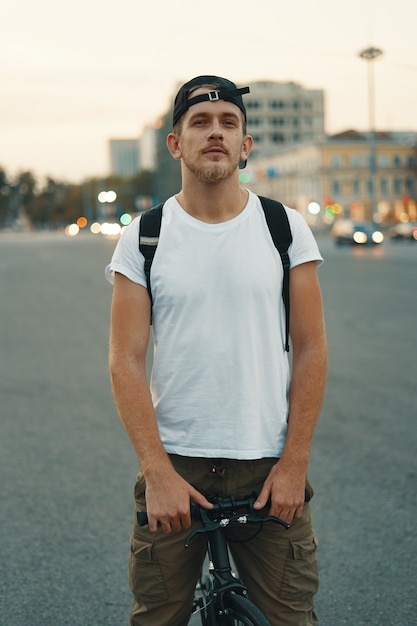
(134, 404)
(306, 398)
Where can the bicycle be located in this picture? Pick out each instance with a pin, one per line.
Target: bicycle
(220, 597)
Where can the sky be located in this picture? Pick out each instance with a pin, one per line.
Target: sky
(74, 73)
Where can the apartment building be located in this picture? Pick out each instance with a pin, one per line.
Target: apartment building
(283, 113)
(335, 172)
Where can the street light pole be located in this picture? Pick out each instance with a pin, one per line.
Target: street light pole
(370, 54)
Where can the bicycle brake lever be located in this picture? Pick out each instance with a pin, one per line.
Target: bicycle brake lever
(208, 525)
(268, 518)
(191, 536)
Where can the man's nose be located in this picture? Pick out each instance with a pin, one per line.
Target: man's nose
(216, 129)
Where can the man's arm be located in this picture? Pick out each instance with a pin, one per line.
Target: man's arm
(167, 494)
(286, 482)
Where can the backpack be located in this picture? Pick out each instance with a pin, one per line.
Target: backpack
(279, 227)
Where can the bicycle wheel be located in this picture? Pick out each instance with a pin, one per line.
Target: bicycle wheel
(240, 611)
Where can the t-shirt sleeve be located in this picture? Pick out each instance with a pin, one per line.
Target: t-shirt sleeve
(127, 259)
(303, 248)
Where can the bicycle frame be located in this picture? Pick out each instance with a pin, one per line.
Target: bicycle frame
(220, 579)
(214, 592)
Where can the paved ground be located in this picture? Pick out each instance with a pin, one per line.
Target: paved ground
(67, 468)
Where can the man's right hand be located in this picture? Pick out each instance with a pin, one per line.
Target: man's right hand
(168, 498)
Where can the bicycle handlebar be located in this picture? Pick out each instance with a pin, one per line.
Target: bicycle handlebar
(224, 508)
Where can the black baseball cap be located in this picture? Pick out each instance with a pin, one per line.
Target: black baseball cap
(224, 90)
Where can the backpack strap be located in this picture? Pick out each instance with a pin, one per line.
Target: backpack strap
(149, 229)
(279, 227)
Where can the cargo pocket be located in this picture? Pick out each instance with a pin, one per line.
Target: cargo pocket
(139, 491)
(145, 573)
(301, 576)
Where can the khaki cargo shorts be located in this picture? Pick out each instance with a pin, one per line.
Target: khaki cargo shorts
(278, 566)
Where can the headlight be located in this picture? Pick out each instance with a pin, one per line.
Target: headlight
(72, 230)
(360, 237)
(377, 237)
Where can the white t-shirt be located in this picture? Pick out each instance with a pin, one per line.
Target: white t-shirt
(221, 375)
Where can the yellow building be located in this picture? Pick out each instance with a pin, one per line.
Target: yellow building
(337, 173)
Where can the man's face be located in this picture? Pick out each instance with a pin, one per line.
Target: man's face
(211, 140)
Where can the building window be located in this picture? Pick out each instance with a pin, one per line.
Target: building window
(397, 161)
(335, 187)
(337, 160)
(384, 186)
(277, 104)
(253, 104)
(398, 186)
(356, 160)
(276, 121)
(383, 160)
(410, 186)
(277, 138)
(356, 187)
(254, 121)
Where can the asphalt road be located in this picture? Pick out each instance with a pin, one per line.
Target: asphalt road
(67, 470)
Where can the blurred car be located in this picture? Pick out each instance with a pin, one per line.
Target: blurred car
(356, 233)
(403, 231)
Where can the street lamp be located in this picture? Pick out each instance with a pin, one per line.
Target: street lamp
(370, 54)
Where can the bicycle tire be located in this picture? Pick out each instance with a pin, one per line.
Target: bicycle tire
(240, 611)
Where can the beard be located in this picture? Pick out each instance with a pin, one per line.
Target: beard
(211, 172)
(214, 173)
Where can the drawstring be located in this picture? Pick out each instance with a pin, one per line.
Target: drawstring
(218, 469)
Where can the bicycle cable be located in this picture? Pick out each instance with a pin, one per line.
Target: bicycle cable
(249, 538)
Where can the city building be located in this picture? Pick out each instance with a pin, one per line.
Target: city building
(281, 113)
(361, 175)
(130, 156)
(147, 149)
(168, 171)
(335, 173)
(124, 157)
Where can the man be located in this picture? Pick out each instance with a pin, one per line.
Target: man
(224, 415)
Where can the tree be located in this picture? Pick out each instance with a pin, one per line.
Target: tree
(4, 198)
(55, 205)
(22, 194)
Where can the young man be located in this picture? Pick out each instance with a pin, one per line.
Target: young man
(224, 415)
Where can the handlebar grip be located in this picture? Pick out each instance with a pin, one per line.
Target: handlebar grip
(142, 516)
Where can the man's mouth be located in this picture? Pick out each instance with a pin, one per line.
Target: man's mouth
(215, 150)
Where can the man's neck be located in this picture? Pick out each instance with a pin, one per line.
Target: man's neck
(213, 202)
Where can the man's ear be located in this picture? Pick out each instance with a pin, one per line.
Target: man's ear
(173, 145)
(246, 147)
